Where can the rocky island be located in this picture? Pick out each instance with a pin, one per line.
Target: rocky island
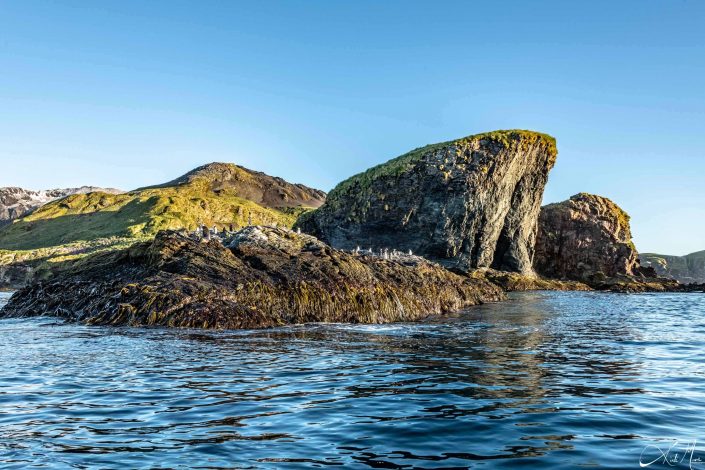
(439, 229)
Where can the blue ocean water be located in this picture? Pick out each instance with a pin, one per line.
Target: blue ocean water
(544, 380)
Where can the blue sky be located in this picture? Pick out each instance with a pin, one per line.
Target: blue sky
(130, 93)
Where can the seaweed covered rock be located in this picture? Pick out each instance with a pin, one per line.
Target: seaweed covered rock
(262, 277)
(513, 282)
(586, 238)
(467, 203)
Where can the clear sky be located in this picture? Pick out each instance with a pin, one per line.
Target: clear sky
(130, 93)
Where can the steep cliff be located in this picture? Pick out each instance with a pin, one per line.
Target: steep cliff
(468, 203)
(264, 277)
(18, 202)
(686, 269)
(585, 238)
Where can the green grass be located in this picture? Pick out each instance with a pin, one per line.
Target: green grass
(63, 232)
(140, 214)
(46, 261)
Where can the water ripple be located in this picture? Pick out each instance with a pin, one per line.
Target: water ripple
(549, 380)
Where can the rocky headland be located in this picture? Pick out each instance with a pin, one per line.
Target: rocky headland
(584, 237)
(259, 277)
(468, 203)
(685, 269)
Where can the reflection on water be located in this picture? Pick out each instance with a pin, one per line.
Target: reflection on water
(548, 380)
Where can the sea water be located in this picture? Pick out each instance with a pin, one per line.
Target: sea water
(544, 380)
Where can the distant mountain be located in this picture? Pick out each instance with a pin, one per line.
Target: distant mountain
(686, 269)
(18, 202)
(219, 194)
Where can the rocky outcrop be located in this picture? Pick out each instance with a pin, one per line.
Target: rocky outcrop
(467, 203)
(15, 276)
(18, 202)
(264, 277)
(586, 238)
(685, 269)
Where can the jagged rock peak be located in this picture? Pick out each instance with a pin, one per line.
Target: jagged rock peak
(467, 203)
(585, 238)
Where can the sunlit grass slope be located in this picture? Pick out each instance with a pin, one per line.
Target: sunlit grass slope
(221, 195)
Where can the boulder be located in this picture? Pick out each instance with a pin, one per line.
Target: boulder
(586, 238)
(468, 203)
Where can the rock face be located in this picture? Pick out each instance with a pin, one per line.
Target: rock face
(686, 269)
(467, 203)
(586, 238)
(265, 277)
(18, 202)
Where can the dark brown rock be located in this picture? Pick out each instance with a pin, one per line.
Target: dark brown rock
(512, 282)
(265, 277)
(468, 203)
(15, 276)
(586, 238)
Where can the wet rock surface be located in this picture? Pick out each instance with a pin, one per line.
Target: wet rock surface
(469, 203)
(261, 277)
(15, 276)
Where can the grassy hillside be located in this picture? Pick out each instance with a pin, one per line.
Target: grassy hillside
(209, 196)
(134, 215)
(221, 195)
